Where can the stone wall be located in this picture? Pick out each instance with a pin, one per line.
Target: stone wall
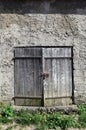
(49, 23)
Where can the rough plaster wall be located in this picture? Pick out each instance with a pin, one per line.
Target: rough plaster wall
(42, 23)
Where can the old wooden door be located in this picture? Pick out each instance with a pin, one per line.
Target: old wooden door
(43, 76)
(27, 80)
(57, 67)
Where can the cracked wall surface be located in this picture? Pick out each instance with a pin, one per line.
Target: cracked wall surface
(47, 23)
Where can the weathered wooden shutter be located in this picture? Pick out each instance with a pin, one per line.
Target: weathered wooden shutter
(28, 84)
(58, 86)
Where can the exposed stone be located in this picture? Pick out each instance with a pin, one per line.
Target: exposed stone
(63, 109)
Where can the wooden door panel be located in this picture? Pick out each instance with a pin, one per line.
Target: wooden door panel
(58, 86)
(59, 77)
(28, 83)
(34, 89)
(56, 52)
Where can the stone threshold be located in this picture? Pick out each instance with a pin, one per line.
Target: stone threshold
(65, 109)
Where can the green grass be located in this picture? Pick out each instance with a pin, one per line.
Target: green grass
(44, 121)
(82, 115)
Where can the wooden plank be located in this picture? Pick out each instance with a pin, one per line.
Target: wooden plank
(62, 78)
(47, 68)
(28, 57)
(58, 52)
(54, 73)
(28, 102)
(28, 78)
(19, 80)
(16, 77)
(32, 79)
(58, 97)
(47, 81)
(28, 52)
(38, 78)
(57, 101)
(58, 57)
(27, 97)
(59, 78)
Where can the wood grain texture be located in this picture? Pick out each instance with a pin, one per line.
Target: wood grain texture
(57, 52)
(28, 52)
(27, 73)
(59, 82)
(55, 89)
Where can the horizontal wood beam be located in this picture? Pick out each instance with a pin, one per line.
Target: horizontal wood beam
(58, 57)
(58, 97)
(26, 97)
(43, 47)
(29, 57)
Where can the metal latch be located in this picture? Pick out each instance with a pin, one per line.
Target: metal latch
(45, 75)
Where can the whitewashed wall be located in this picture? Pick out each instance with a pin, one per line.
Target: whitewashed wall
(48, 23)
